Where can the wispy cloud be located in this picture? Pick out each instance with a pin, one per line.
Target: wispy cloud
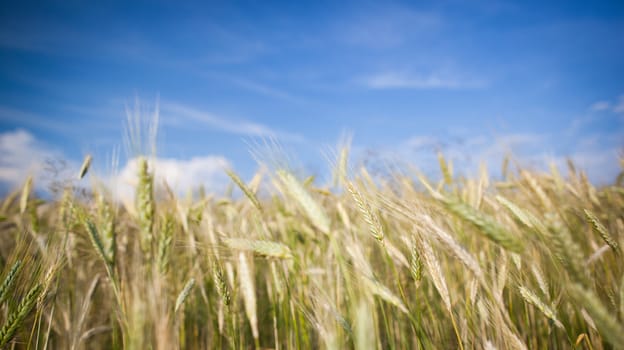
(607, 106)
(387, 27)
(229, 125)
(398, 80)
(33, 120)
(264, 89)
(600, 106)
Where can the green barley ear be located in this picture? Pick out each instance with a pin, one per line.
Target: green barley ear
(17, 316)
(534, 300)
(145, 205)
(86, 163)
(416, 265)
(385, 294)
(5, 288)
(610, 328)
(370, 216)
(106, 218)
(446, 168)
(246, 190)
(221, 284)
(164, 243)
(485, 224)
(184, 294)
(248, 291)
(297, 191)
(96, 240)
(25, 194)
(266, 248)
(599, 228)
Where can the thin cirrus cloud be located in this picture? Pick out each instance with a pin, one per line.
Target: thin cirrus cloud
(600, 106)
(387, 28)
(217, 122)
(608, 106)
(397, 80)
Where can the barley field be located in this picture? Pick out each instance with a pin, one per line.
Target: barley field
(528, 260)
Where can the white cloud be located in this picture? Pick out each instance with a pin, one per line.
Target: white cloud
(387, 27)
(22, 155)
(239, 127)
(600, 106)
(396, 80)
(180, 175)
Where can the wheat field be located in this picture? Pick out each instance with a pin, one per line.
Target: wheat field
(530, 260)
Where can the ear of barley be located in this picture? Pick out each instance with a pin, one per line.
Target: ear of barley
(221, 284)
(541, 282)
(456, 249)
(416, 265)
(435, 271)
(96, 240)
(365, 332)
(246, 190)
(371, 217)
(86, 163)
(249, 293)
(7, 284)
(526, 218)
(164, 243)
(568, 253)
(313, 210)
(8, 201)
(610, 328)
(106, 218)
(385, 294)
(534, 300)
(265, 248)
(184, 294)
(485, 224)
(145, 205)
(537, 189)
(599, 228)
(17, 316)
(25, 194)
(446, 168)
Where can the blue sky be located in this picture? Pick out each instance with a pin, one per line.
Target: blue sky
(473, 79)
